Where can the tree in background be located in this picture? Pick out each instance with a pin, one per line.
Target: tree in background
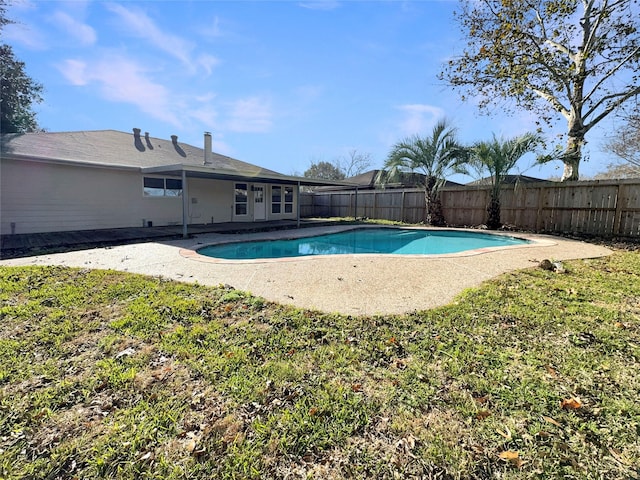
(435, 157)
(354, 164)
(324, 170)
(576, 58)
(617, 171)
(498, 157)
(18, 91)
(626, 141)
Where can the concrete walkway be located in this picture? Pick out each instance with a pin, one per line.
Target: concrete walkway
(348, 284)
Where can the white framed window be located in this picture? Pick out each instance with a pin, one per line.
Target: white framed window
(276, 199)
(288, 199)
(162, 187)
(241, 199)
(281, 199)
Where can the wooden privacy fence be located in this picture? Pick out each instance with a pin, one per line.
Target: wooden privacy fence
(603, 208)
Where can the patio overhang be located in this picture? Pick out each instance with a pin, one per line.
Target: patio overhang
(257, 175)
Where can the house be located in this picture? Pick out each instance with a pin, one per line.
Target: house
(370, 181)
(87, 180)
(508, 180)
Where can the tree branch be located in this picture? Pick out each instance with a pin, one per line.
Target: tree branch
(610, 73)
(622, 97)
(553, 101)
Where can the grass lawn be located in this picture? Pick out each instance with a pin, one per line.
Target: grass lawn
(111, 375)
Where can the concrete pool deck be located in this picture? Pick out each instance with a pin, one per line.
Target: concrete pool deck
(348, 284)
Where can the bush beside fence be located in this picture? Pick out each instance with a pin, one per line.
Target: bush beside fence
(602, 208)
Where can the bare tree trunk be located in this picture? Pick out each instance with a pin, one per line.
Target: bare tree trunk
(571, 159)
(573, 152)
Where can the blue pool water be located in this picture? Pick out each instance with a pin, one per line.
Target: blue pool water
(367, 240)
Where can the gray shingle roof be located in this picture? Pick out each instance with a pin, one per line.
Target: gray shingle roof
(115, 149)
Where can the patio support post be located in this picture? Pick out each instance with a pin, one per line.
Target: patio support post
(185, 205)
(298, 205)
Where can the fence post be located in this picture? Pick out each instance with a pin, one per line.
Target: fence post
(355, 209)
(539, 211)
(402, 206)
(375, 204)
(617, 217)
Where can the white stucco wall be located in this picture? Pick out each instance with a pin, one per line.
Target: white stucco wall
(45, 197)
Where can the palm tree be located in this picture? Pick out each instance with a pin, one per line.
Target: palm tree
(498, 157)
(435, 157)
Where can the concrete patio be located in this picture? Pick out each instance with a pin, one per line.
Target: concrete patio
(348, 284)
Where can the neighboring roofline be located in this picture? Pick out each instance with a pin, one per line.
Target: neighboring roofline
(224, 174)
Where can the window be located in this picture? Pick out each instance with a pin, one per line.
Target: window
(162, 187)
(288, 199)
(281, 199)
(276, 199)
(241, 199)
(173, 187)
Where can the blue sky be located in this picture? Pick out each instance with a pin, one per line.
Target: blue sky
(280, 84)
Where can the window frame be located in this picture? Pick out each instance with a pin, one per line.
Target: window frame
(162, 187)
(282, 202)
(237, 188)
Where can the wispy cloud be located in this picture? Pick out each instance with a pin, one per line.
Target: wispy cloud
(205, 112)
(320, 5)
(81, 32)
(139, 24)
(419, 118)
(208, 62)
(120, 79)
(251, 114)
(211, 29)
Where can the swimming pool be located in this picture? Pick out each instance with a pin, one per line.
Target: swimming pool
(398, 241)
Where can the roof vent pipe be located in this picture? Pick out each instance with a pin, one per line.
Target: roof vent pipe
(136, 132)
(207, 148)
(174, 139)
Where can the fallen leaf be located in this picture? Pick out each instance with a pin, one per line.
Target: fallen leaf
(190, 445)
(509, 455)
(482, 414)
(571, 404)
(313, 411)
(551, 371)
(356, 387)
(512, 457)
(551, 421)
(481, 400)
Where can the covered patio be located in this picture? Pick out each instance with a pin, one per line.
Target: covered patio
(185, 172)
